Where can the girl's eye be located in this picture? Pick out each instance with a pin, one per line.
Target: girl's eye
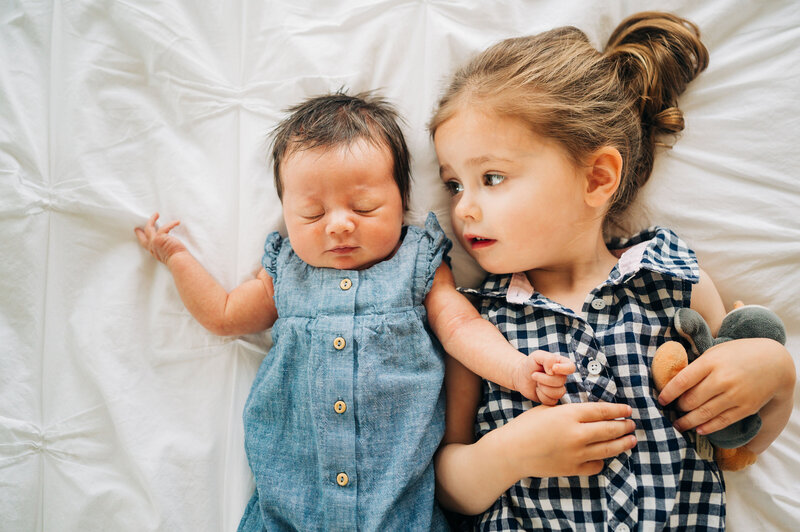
(492, 180)
(313, 218)
(363, 211)
(454, 187)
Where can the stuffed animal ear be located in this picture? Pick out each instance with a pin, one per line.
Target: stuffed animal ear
(691, 326)
(670, 358)
(752, 321)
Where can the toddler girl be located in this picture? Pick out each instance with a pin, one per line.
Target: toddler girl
(347, 409)
(543, 143)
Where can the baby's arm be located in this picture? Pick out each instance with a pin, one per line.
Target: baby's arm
(564, 440)
(482, 348)
(733, 380)
(247, 309)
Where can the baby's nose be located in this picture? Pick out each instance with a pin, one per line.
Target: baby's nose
(340, 222)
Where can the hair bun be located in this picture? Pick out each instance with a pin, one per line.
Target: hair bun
(657, 55)
(669, 120)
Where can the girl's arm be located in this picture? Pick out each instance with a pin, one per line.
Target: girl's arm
(482, 348)
(732, 380)
(247, 309)
(571, 439)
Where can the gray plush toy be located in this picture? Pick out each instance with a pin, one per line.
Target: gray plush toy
(744, 321)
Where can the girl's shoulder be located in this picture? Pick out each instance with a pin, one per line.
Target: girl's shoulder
(657, 249)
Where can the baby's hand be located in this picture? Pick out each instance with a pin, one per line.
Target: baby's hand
(159, 242)
(541, 376)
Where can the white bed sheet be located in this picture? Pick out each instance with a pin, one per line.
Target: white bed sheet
(118, 411)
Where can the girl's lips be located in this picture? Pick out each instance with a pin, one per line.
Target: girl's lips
(477, 242)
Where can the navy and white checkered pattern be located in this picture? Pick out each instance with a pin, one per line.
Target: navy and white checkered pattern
(662, 482)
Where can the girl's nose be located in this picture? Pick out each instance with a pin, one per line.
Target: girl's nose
(466, 208)
(340, 222)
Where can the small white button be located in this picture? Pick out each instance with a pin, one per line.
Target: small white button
(598, 304)
(595, 367)
(622, 528)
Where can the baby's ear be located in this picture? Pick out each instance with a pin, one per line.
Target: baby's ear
(603, 173)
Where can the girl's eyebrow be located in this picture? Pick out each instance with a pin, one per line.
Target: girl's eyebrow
(476, 161)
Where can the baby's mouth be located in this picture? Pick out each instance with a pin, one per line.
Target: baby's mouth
(342, 249)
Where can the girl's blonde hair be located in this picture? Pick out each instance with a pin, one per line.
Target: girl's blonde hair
(557, 82)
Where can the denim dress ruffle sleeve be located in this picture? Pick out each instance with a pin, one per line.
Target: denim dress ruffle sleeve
(347, 409)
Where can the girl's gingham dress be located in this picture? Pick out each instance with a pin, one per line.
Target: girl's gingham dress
(662, 482)
(347, 408)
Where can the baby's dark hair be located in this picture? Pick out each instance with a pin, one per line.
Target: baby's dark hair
(339, 119)
(557, 82)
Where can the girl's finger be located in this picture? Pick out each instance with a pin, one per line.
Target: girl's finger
(722, 420)
(697, 396)
(590, 468)
(606, 431)
(610, 448)
(600, 411)
(712, 409)
(686, 379)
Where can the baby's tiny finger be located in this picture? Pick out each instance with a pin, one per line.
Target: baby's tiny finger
(150, 226)
(553, 381)
(169, 227)
(564, 368)
(140, 236)
(552, 393)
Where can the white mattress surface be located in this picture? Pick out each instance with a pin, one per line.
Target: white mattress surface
(118, 411)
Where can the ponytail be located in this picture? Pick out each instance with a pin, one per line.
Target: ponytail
(656, 55)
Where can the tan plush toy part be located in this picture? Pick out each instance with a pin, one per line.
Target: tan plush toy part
(744, 321)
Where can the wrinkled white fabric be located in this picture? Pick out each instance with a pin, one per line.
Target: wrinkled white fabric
(117, 410)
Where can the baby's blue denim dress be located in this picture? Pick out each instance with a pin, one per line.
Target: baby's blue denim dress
(347, 408)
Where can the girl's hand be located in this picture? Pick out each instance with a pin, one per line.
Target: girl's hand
(567, 440)
(159, 242)
(729, 382)
(541, 376)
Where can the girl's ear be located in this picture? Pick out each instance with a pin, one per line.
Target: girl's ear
(604, 171)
